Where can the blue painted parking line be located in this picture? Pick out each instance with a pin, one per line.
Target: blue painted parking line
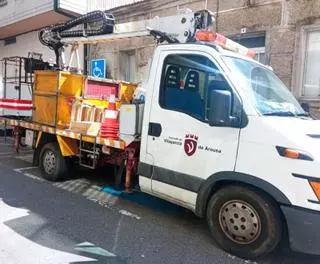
(145, 200)
(111, 191)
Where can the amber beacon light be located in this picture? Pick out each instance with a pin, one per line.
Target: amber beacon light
(226, 43)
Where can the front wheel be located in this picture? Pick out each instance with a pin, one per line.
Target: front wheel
(244, 222)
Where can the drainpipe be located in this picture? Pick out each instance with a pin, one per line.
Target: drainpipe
(85, 55)
(217, 15)
(284, 13)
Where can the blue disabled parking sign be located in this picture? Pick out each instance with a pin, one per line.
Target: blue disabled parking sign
(98, 68)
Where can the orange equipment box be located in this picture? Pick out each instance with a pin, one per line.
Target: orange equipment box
(53, 92)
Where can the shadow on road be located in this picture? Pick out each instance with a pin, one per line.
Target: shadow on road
(58, 220)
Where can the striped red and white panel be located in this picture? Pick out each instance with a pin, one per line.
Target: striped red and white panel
(21, 105)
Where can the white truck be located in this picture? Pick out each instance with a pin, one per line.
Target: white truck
(233, 146)
(223, 137)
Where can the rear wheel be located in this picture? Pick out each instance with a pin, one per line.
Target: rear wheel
(244, 222)
(52, 164)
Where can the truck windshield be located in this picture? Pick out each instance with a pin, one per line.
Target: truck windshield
(264, 89)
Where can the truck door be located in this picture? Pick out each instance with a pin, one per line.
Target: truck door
(185, 148)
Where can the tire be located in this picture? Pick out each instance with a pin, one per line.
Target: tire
(244, 222)
(52, 164)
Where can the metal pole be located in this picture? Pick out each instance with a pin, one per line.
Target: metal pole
(85, 65)
(5, 95)
(5, 131)
(25, 72)
(20, 70)
(5, 78)
(16, 132)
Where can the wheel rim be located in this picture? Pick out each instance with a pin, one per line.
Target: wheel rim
(49, 162)
(240, 222)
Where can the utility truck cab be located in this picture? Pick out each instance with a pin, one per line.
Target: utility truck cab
(224, 137)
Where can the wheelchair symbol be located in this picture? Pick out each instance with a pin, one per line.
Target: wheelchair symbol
(97, 72)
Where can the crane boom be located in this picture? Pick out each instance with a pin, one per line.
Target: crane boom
(99, 26)
(174, 29)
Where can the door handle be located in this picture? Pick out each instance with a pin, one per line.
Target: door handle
(155, 129)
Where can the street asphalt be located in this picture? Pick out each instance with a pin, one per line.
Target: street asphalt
(81, 220)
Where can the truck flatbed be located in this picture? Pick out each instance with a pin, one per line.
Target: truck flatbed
(118, 144)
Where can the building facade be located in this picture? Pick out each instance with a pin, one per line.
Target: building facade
(20, 22)
(284, 33)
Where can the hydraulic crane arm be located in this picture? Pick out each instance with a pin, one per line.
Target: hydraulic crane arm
(98, 26)
(91, 24)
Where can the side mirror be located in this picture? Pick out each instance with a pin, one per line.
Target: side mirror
(220, 108)
(305, 107)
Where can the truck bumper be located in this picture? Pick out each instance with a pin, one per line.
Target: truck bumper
(304, 229)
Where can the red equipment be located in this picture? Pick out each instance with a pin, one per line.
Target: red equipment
(110, 124)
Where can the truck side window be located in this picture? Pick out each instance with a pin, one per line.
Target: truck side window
(186, 84)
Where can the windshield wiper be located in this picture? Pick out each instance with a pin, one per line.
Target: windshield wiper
(279, 113)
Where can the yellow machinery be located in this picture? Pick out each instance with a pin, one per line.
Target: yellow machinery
(58, 97)
(53, 92)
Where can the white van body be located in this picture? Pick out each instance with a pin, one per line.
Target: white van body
(183, 157)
